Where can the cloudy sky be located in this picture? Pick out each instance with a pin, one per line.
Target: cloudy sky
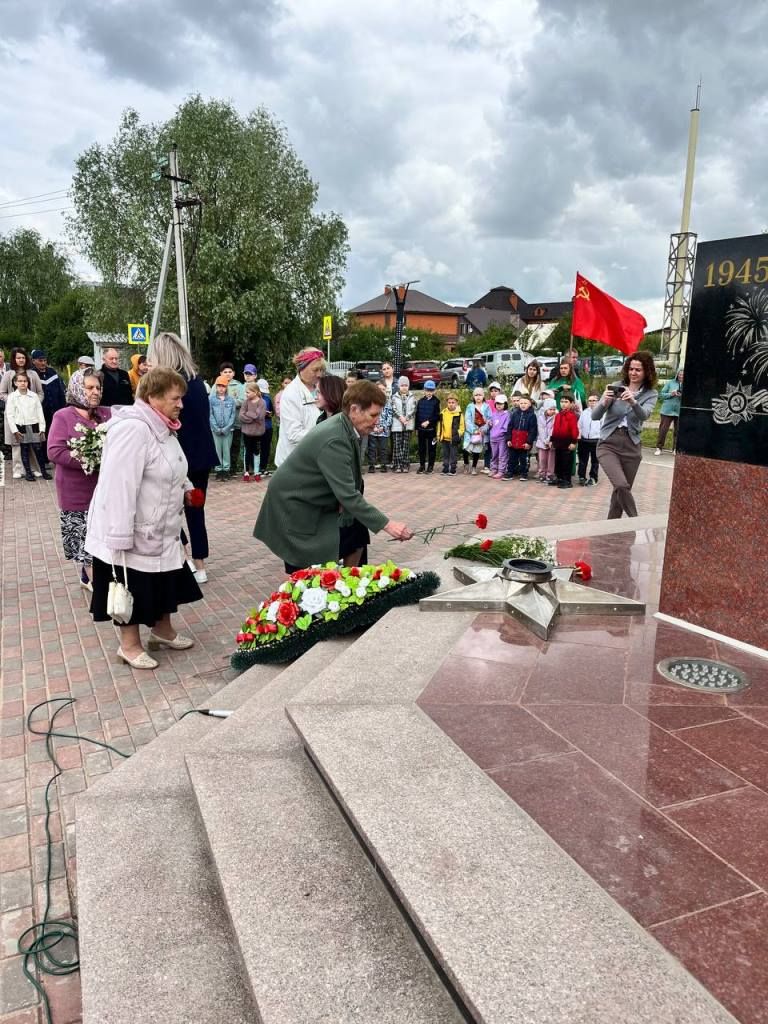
(465, 143)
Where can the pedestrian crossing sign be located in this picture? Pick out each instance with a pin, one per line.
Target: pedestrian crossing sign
(138, 334)
(327, 328)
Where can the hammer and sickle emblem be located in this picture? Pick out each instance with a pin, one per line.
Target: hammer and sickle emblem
(583, 292)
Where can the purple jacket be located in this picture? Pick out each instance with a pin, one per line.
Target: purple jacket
(74, 489)
(138, 505)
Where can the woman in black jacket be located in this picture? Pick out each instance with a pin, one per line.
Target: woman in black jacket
(194, 437)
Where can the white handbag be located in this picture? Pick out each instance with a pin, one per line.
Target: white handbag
(119, 598)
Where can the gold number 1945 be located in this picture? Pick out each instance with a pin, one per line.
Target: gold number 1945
(724, 272)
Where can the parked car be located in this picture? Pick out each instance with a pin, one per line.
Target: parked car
(613, 365)
(370, 370)
(453, 372)
(419, 370)
(508, 362)
(546, 365)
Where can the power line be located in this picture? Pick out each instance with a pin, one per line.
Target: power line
(34, 213)
(29, 199)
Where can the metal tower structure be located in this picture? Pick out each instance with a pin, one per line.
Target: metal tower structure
(682, 257)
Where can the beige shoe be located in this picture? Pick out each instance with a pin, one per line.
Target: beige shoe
(179, 642)
(142, 661)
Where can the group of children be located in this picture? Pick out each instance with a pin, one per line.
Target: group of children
(241, 412)
(504, 436)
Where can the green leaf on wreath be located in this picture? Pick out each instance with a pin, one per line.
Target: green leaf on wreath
(304, 622)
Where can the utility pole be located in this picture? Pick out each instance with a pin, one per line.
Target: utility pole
(170, 170)
(400, 292)
(682, 255)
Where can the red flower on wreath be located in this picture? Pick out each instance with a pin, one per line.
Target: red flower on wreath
(270, 627)
(240, 637)
(481, 521)
(486, 545)
(583, 570)
(396, 574)
(248, 637)
(300, 574)
(287, 613)
(377, 574)
(328, 579)
(354, 571)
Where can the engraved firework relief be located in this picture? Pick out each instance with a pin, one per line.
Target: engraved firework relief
(724, 412)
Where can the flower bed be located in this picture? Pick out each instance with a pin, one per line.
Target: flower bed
(324, 601)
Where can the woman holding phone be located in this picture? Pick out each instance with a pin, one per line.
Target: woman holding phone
(624, 407)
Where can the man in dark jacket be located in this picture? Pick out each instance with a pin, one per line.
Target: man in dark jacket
(116, 389)
(427, 416)
(54, 395)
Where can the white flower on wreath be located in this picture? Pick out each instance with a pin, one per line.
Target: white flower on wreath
(300, 585)
(286, 587)
(314, 600)
(272, 611)
(360, 592)
(333, 606)
(384, 581)
(342, 588)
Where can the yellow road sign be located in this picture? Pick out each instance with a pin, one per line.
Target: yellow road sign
(327, 328)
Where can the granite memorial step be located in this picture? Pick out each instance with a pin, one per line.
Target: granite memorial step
(520, 930)
(319, 935)
(155, 940)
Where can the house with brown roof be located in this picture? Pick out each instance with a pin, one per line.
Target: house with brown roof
(520, 313)
(421, 311)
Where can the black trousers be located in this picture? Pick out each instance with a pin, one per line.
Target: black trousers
(587, 456)
(450, 455)
(427, 450)
(251, 453)
(25, 460)
(563, 464)
(378, 450)
(198, 535)
(265, 447)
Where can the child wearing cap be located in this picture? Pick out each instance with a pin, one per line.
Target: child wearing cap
(427, 415)
(498, 435)
(252, 416)
(403, 421)
(521, 438)
(450, 431)
(222, 420)
(545, 421)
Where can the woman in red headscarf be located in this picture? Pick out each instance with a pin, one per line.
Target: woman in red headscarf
(298, 409)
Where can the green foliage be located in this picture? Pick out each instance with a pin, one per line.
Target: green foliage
(33, 275)
(510, 546)
(263, 265)
(356, 343)
(497, 336)
(60, 329)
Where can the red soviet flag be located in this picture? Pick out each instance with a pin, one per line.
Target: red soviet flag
(599, 317)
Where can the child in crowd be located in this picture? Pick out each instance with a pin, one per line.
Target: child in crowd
(403, 422)
(477, 421)
(26, 422)
(494, 390)
(589, 435)
(545, 421)
(498, 434)
(378, 439)
(236, 391)
(222, 419)
(427, 415)
(450, 430)
(520, 438)
(565, 434)
(253, 415)
(265, 441)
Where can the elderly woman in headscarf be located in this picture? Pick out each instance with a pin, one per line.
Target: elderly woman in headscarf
(298, 409)
(75, 482)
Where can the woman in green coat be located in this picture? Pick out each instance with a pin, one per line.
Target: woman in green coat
(317, 489)
(567, 377)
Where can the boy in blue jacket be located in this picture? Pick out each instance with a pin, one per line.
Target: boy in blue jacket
(222, 424)
(427, 415)
(521, 437)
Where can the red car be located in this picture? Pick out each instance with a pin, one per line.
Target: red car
(420, 370)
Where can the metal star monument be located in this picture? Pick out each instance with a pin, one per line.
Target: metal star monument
(533, 592)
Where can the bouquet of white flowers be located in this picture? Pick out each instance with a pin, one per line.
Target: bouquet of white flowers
(87, 448)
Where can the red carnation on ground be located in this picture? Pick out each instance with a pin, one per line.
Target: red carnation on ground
(481, 521)
(486, 545)
(287, 613)
(328, 578)
(583, 570)
(196, 498)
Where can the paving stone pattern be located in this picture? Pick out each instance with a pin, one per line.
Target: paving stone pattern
(49, 647)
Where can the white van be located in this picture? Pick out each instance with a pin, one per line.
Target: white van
(509, 362)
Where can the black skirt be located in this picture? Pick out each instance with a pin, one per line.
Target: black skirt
(155, 594)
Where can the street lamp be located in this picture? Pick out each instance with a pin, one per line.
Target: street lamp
(400, 293)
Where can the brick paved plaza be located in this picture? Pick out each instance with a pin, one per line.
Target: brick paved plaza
(49, 647)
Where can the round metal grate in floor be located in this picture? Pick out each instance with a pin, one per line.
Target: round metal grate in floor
(703, 674)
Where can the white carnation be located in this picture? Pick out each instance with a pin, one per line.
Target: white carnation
(342, 588)
(384, 581)
(272, 611)
(360, 592)
(333, 606)
(314, 600)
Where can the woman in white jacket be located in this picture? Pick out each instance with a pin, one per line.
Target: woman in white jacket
(298, 411)
(136, 514)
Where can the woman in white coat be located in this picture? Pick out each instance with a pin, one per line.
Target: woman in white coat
(136, 514)
(298, 411)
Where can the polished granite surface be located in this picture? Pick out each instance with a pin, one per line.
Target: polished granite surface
(659, 792)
